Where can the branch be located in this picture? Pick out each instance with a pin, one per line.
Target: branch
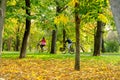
(62, 9)
(59, 8)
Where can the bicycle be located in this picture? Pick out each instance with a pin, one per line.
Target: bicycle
(65, 50)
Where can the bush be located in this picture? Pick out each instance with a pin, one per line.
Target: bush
(112, 46)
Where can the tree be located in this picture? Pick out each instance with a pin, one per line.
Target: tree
(17, 38)
(15, 20)
(77, 25)
(99, 29)
(64, 36)
(115, 7)
(54, 32)
(27, 30)
(2, 15)
(98, 39)
(59, 10)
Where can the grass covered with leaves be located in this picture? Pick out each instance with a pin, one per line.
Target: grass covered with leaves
(38, 66)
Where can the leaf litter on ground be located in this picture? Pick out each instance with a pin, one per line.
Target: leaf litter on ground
(56, 69)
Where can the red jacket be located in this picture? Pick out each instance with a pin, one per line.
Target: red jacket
(43, 42)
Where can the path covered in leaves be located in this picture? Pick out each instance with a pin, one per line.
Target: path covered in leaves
(54, 69)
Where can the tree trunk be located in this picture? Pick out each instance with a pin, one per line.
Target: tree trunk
(98, 39)
(64, 35)
(115, 7)
(2, 15)
(3, 43)
(82, 48)
(27, 30)
(103, 47)
(17, 43)
(17, 39)
(54, 33)
(53, 44)
(77, 25)
(9, 44)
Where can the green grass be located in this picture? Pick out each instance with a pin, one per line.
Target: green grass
(15, 55)
(107, 58)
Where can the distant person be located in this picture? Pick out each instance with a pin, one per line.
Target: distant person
(42, 44)
(69, 44)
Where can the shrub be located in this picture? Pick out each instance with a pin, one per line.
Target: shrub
(112, 46)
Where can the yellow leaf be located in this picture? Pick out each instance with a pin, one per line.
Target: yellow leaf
(64, 19)
(57, 20)
(103, 18)
(72, 3)
(61, 19)
(13, 2)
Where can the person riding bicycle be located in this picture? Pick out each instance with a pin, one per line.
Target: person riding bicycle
(42, 43)
(69, 44)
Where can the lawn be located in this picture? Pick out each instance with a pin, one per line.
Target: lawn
(44, 66)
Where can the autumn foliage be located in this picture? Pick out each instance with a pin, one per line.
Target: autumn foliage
(57, 69)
